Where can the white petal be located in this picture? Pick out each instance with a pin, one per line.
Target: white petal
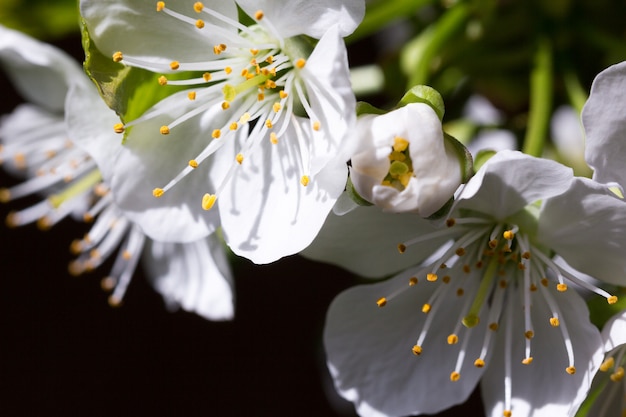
(544, 388)
(614, 331)
(41, 72)
(587, 227)
(605, 122)
(312, 18)
(365, 241)
(369, 350)
(511, 180)
(138, 30)
(90, 126)
(177, 216)
(266, 212)
(193, 276)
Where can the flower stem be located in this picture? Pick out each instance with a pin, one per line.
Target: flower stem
(540, 99)
(77, 187)
(471, 319)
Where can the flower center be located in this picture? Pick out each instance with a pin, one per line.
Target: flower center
(490, 265)
(251, 84)
(401, 165)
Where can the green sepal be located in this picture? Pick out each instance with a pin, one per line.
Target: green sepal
(354, 195)
(363, 107)
(129, 91)
(464, 155)
(482, 157)
(427, 95)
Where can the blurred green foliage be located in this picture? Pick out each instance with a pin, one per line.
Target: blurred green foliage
(43, 19)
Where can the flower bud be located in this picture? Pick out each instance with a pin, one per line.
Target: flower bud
(403, 163)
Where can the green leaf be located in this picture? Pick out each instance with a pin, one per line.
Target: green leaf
(482, 157)
(363, 107)
(465, 157)
(129, 91)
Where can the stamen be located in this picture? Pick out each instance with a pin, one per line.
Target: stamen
(118, 128)
(300, 63)
(208, 200)
(258, 15)
(164, 130)
(118, 56)
(381, 302)
(304, 180)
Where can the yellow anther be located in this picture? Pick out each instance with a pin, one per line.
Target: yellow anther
(126, 255)
(618, 375)
(276, 107)
(244, 72)
(239, 158)
(269, 84)
(526, 255)
(114, 301)
(273, 138)
(431, 277)
(228, 70)
(198, 6)
(283, 94)
(217, 51)
(467, 269)
(206, 76)
(479, 363)
(304, 180)
(450, 222)
(561, 287)
(446, 279)
(118, 128)
(382, 301)
(158, 192)
(426, 308)
(245, 118)
(417, 350)
(254, 51)
(164, 130)
(529, 334)
(270, 59)
(493, 243)
(460, 292)
(554, 322)
(493, 326)
(544, 282)
(412, 281)
(608, 364)
(502, 284)
(118, 56)
(233, 126)
(612, 299)
(88, 218)
(162, 80)
(199, 23)
(521, 266)
(44, 223)
(225, 105)
(260, 97)
(460, 252)
(216, 134)
(316, 126)
(258, 15)
(174, 65)
(570, 370)
(507, 413)
(191, 95)
(193, 163)
(455, 376)
(76, 246)
(401, 247)
(300, 63)
(533, 287)
(208, 200)
(269, 124)
(108, 283)
(75, 268)
(527, 361)
(400, 144)
(453, 339)
(508, 235)
(160, 6)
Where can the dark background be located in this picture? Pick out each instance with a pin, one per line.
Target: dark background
(64, 351)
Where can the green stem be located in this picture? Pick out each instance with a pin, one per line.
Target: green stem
(380, 13)
(575, 91)
(486, 284)
(420, 53)
(540, 100)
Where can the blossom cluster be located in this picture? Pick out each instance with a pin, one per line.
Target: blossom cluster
(198, 133)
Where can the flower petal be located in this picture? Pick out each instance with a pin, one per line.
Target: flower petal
(41, 72)
(605, 122)
(365, 241)
(90, 125)
(138, 30)
(587, 227)
(543, 388)
(614, 331)
(369, 350)
(193, 276)
(312, 18)
(511, 180)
